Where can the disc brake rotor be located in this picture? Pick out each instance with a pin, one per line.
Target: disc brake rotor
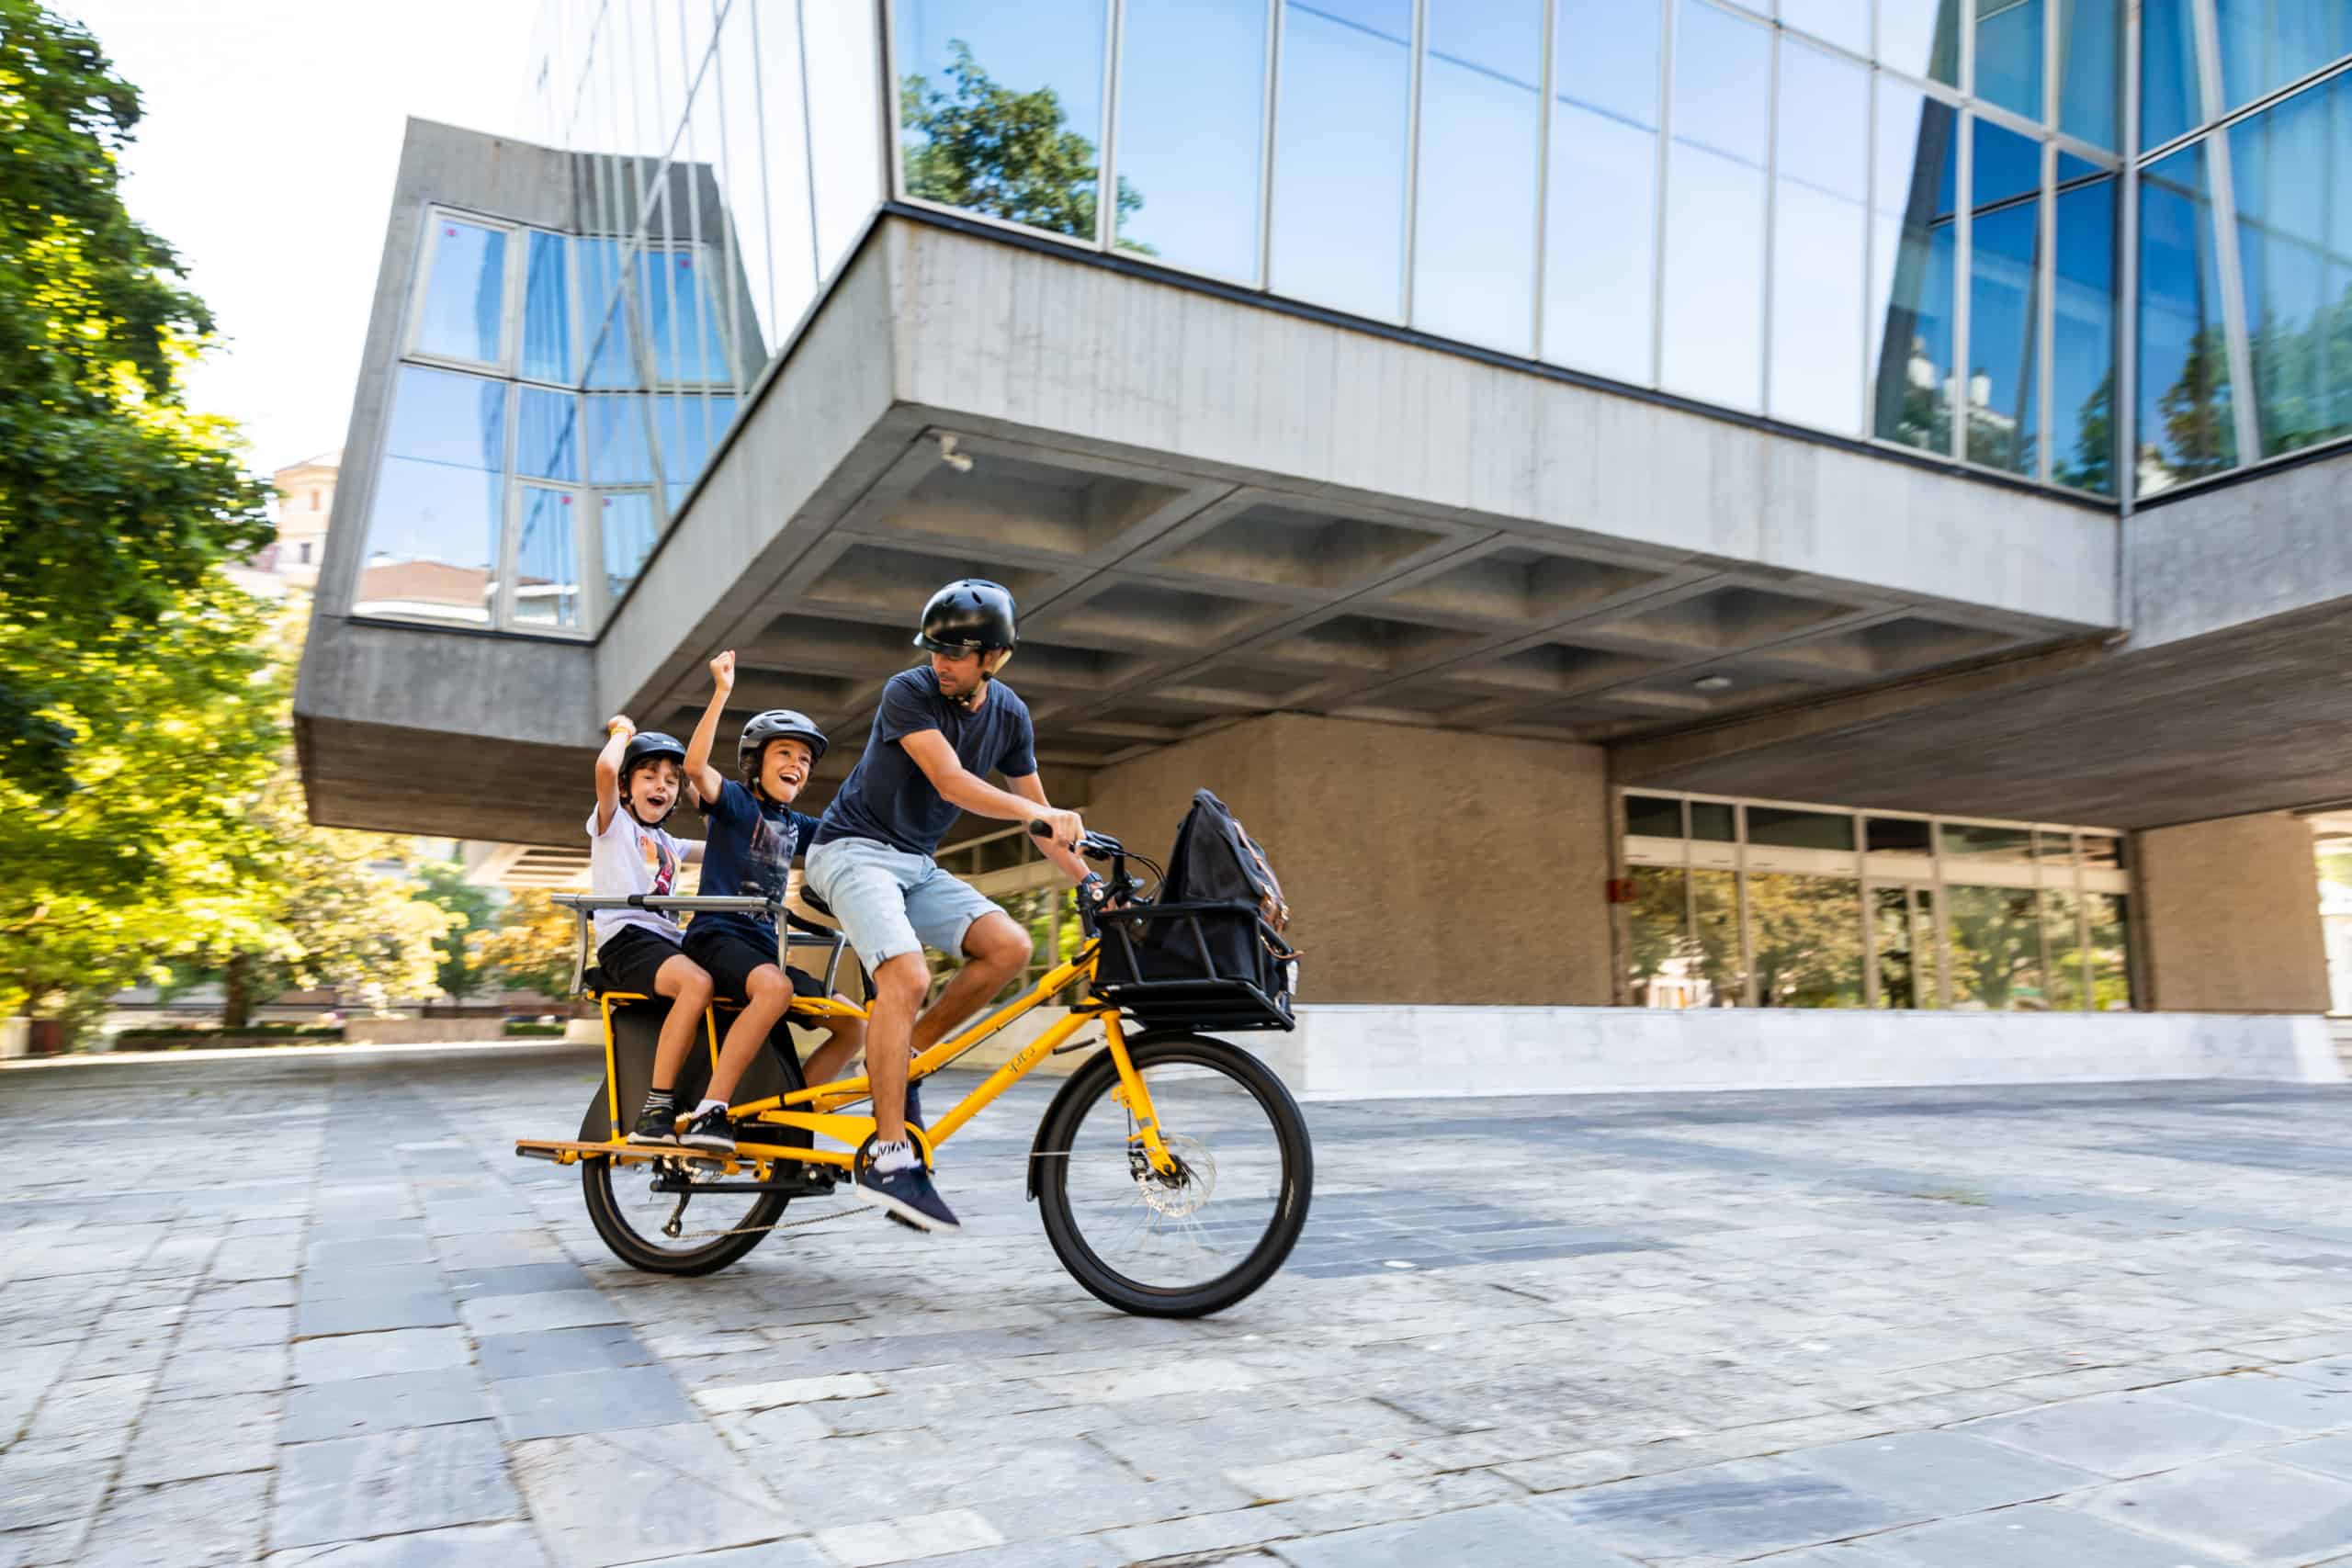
(1191, 1186)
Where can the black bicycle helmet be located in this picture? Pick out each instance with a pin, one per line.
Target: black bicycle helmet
(970, 615)
(776, 724)
(648, 746)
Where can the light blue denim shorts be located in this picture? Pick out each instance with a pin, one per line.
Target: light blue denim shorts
(890, 902)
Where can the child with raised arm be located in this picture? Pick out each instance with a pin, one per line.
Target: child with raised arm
(638, 786)
(753, 836)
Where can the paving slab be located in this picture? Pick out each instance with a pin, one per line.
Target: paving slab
(2038, 1535)
(359, 1405)
(541, 1351)
(1747, 1507)
(2127, 1434)
(343, 1356)
(181, 1524)
(1505, 1533)
(2249, 1510)
(611, 1497)
(415, 1479)
(563, 1404)
(187, 1439)
(461, 1546)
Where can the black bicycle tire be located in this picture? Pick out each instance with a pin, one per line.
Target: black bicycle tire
(622, 1241)
(1273, 1247)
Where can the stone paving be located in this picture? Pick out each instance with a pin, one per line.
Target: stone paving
(310, 1309)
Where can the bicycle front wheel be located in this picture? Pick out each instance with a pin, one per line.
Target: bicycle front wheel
(1197, 1242)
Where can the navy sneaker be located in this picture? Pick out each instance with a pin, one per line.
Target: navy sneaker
(656, 1125)
(711, 1132)
(906, 1196)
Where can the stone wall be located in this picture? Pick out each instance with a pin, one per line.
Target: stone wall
(2228, 916)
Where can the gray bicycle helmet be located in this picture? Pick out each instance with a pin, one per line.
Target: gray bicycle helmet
(776, 724)
(650, 746)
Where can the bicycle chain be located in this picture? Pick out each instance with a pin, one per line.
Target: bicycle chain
(783, 1224)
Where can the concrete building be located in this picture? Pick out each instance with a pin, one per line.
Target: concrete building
(1637, 501)
(305, 502)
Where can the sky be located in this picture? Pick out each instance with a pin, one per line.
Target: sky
(272, 133)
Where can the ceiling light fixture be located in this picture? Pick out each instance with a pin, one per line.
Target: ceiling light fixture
(952, 457)
(1712, 683)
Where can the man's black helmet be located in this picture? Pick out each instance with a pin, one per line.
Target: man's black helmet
(776, 724)
(648, 746)
(970, 615)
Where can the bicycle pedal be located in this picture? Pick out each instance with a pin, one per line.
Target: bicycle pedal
(904, 1222)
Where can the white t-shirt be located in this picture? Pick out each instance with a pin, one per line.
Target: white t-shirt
(628, 857)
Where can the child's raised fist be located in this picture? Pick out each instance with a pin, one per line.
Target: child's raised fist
(722, 669)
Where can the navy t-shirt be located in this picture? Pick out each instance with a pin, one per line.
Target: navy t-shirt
(888, 797)
(749, 853)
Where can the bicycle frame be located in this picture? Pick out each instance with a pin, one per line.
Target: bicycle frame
(815, 1109)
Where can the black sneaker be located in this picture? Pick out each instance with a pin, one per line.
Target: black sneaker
(906, 1196)
(656, 1125)
(711, 1131)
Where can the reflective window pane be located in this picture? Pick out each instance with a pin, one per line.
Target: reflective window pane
(1654, 816)
(2268, 43)
(2004, 302)
(2110, 959)
(1713, 305)
(547, 437)
(2008, 55)
(765, 81)
(1714, 930)
(2185, 428)
(1914, 250)
(1713, 821)
(1600, 212)
(547, 309)
(1191, 97)
(2102, 852)
(2293, 177)
(432, 543)
(2081, 413)
(1001, 107)
(1984, 845)
(1898, 835)
(2168, 90)
(1807, 939)
(1846, 23)
(546, 562)
(1903, 940)
(1481, 116)
(1785, 827)
(2062, 938)
(1921, 38)
(629, 529)
(732, 88)
(1818, 224)
(680, 317)
(687, 425)
(1661, 960)
(844, 115)
(439, 416)
(2090, 49)
(703, 201)
(464, 291)
(1994, 937)
(617, 449)
(1340, 129)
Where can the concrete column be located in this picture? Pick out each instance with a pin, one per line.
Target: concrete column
(1422, 865)
(2228, 916)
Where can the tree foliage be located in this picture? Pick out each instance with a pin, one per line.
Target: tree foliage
(116, 503)
(531, 948)
(469, 909)
(983, 147)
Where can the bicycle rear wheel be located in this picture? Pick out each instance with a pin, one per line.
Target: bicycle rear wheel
(715, 1228)
(1202, 1240)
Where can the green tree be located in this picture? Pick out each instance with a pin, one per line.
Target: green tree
(2092, 466)
(531, 947)
(115, 504)
(443, 885)
(2196, 410)
(985, 148)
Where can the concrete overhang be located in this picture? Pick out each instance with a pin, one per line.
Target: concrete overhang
(2227, 696)
(1211, 505)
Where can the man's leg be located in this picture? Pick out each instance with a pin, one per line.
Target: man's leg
(898, 987)
(998, 949)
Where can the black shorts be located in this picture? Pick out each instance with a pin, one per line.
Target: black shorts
(631, 957)
(729, 951)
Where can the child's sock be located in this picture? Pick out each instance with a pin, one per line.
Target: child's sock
(708, 1106)
(659, 1099)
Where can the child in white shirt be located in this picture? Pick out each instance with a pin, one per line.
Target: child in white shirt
(638, 786)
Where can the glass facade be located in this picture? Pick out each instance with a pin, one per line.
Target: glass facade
(1761, 904)
(1899, 221)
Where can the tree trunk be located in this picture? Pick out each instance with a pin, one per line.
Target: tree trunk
(236, 993)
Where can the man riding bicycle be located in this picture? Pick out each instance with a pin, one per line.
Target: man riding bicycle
(940, 729)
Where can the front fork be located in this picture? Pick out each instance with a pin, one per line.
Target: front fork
(1136, 1100)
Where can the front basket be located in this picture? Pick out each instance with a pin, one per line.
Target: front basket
(1196, 967)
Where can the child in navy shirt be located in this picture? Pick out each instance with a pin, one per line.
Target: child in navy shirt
(753, 837)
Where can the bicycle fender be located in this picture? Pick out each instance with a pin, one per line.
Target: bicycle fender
(1069, 1089)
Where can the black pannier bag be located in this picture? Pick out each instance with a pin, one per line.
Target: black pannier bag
(1210, 953)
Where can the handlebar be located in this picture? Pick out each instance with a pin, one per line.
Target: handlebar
(1094, 846)
(586, 902)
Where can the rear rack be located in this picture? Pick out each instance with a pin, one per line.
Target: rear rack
(791, 929)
